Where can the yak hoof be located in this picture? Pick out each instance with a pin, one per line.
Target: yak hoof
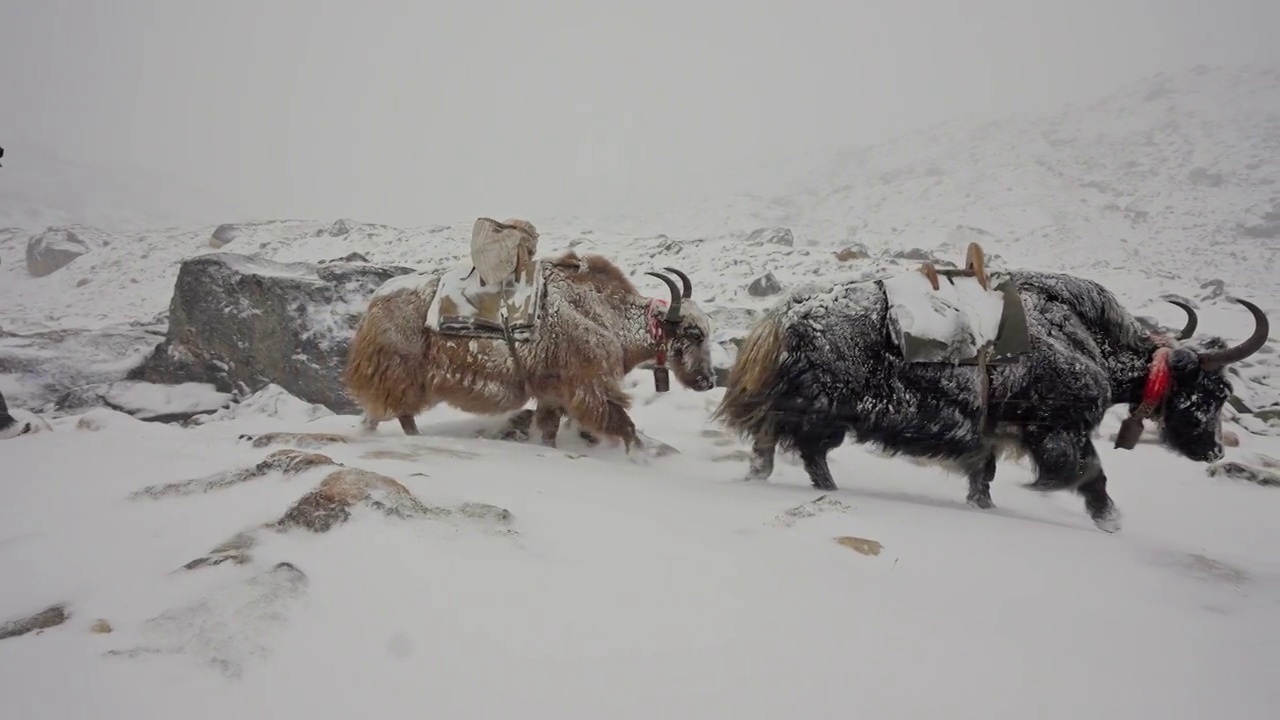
(1108, 521)
(514, 435)
(981, 502)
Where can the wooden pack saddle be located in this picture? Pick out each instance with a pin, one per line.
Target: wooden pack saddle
(1011, 337)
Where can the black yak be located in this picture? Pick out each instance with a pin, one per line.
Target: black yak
(820, 365)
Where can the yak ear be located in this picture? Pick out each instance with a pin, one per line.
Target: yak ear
(1183, 360)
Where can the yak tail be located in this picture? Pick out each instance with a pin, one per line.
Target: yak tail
(748, 405)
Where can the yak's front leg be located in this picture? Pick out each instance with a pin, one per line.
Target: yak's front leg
(1069, 461)
(981, 471)
(763, 449)
(602, 412)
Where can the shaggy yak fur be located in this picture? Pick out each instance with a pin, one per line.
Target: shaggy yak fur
(594, 329)
(9, 425)
(819, 365)
(6, 420)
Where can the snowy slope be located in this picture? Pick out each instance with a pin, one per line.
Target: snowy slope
(662, 587)
(624, 590)
(1169, 177)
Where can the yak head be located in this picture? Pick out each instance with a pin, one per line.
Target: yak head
(688, 329)
(1197, 387)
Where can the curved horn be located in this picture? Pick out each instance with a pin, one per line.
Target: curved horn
(673, 310)
(687, 292)
(1221, 358)
(1192, 319)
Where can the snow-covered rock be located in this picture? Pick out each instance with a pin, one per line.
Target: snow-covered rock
(148, 401)
(242, 323)
(52, 250)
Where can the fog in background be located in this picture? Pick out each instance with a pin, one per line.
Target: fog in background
(416, 112)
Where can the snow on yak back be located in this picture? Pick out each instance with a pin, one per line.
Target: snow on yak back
(820, 365)
(593, 328)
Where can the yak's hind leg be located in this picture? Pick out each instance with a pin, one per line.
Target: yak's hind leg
(1069, 461)
(409, 424)
(547, 417)
(369, 423)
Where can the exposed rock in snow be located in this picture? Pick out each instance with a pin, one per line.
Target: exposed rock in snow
(38, 368)
(287, 462)
(764, 286)
(243, 323)
(771, 236)
(148, 401)
(853, 252)
(52, 616)
(1243, 471)
(232, 628)
(52, 250)
(224, 234)
(271, 401)
(338, 228)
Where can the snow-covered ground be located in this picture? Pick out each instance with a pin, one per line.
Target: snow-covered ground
(621, 589)
(663, 587)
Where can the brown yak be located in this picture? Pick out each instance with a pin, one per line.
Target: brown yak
(595, 328)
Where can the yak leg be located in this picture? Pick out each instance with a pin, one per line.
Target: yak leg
(980, 473)
(762, 452)
(409, 424)
(602, 411)
(369, 423)
(1069, 461)
(547, 417)
(813, 447)
(1101, 508)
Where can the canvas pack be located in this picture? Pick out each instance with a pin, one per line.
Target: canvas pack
(956, 322)
(500, 292)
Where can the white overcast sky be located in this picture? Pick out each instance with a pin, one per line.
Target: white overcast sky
(412, 112)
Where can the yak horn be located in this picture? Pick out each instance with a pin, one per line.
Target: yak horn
(1216, 359)
(687, 291)
(673, 310)
(1192, 319)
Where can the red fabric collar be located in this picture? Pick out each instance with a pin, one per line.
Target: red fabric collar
(1158, 379)
(654, 315)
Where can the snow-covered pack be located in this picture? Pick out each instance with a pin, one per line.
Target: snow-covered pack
(954, 316)
(502, 288)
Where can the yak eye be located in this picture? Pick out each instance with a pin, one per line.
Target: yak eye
(693, 335)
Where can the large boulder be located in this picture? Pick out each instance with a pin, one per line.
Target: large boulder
(242, 323)
(52, 250)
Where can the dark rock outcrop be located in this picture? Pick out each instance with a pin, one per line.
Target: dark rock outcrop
(242, 323)
(50, 617)
(52, 250)
(764, 286)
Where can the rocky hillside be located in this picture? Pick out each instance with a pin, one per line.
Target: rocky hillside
(1176, 177)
